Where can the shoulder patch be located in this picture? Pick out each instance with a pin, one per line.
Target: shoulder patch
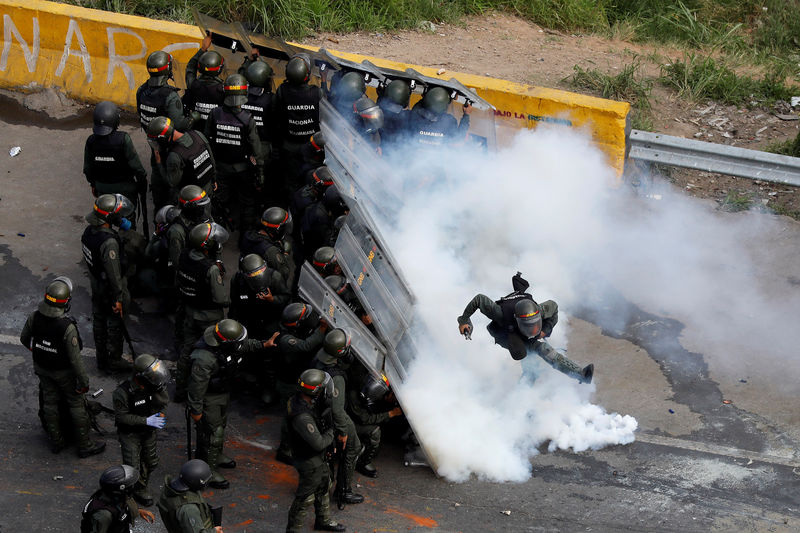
(336, 392)
(112, 254)
(219, 278)
(74, 341)
(292, 341)
(310, 427)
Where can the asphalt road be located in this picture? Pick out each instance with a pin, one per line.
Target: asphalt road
(698, 463)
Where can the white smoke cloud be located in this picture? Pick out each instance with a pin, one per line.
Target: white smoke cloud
(532, 207)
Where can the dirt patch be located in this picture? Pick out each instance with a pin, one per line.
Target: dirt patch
(507, 47)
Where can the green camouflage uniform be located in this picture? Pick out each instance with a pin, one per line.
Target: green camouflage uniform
(184, 512)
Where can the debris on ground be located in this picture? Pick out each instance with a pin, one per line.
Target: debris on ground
(14, 151)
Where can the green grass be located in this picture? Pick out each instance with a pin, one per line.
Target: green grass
(627, 85)
(788, 147)
(697, 77)
(736, 201)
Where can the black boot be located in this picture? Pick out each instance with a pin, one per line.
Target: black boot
(366, 469)
(92, 449)
(350, 498)
(328, 525)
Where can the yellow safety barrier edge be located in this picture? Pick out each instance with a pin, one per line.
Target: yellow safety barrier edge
(98, 55)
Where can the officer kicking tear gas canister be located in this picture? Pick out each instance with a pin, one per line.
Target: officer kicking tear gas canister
(520, 325)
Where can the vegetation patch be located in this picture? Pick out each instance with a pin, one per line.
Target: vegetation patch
(736, 201)
(627, 85)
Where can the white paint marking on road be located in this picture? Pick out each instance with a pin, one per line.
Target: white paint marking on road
(715, 449)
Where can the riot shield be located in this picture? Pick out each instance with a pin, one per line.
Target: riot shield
(313, 289)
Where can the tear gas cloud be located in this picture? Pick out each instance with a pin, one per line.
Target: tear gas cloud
(547, 206)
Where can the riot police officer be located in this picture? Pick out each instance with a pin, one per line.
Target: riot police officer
(204, 92)
(183, 158)
(157, 98)
(234, 139)
(202, 291)
(370, 403)
(181, 505)
(346, 89)
(159, 275)
(301, 335)
(430, 125)
(335, 358)
(296, 120)
(368, 121)
(321, 179)
(520, 325)
(105, 256)
(309, 418)
(139, 402)
(317, 227)
(272, 241)
(215, 359)
(260, 98)
(339, 285)
(110, 162)
(110, 509)
(53, 338)
(393, 100)
(258, 295)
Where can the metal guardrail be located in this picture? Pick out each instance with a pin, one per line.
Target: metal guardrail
(712, 157)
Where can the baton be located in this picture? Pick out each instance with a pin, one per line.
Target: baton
(188, 434)
(127, 337)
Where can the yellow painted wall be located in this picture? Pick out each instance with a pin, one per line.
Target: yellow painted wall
(96, 55)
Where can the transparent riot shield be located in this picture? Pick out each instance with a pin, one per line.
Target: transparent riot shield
(314, 290)
(370, 289)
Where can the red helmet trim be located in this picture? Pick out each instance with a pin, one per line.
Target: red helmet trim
(55, 300)
(269, 225)
(302, 314)
(202, 195)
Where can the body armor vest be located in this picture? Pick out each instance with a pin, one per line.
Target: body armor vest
(297, 406)
(230, 135)
(203, 97)
(92, 240)
(259, 101)
(507, 304)
(192, 280)
(300, 106)
(47, 341)
(430, 129)
(120, 517)
(151, 102)
(227, 364)
(254, 242)
(198, 168)
(108, 161)
(168, 508)
(140, 403)
(302, 199)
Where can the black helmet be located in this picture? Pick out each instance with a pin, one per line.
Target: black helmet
(317, 142)
(194, 475)
(165, 216)
(276, 221)
(227, 333)
(298, 316)
(119, 479)
(333, 201)
(528, 318)
(58, 292)
(255, 272)
(395, 96)
(337, 283)
(150, 369)
(106, 118)
(258, 74)
(337, 343)
(235, 89)
(436, 100)
(112, 208)
(298, 69)
(339, 221)
(316, 383)
(324, 260)
(321, 178)
(160, 129)
(210, 63)
(349, 87)
(159, 63)
(193, 200)
(208, 236)
(370, 114)
(373, 393)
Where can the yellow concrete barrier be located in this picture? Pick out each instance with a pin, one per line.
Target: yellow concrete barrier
(97, 55)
